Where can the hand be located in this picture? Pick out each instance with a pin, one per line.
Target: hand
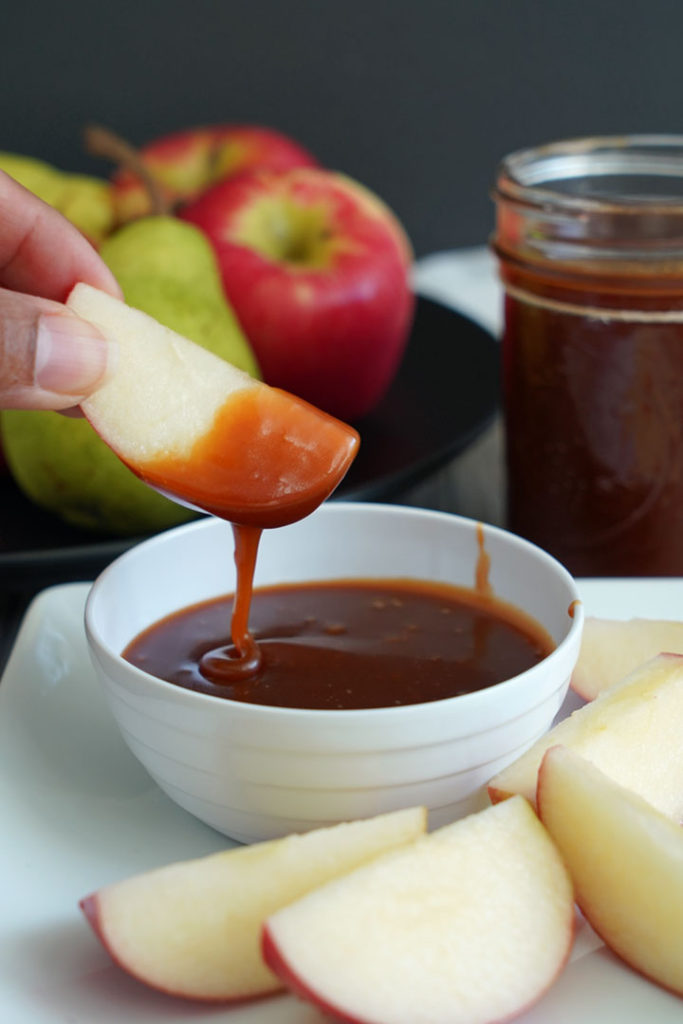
(49, 358)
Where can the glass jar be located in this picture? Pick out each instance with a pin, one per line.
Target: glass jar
(589, 236)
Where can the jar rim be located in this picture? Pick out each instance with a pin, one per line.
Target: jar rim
(584, 174)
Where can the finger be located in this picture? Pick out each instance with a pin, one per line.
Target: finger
(42, 253)
(49, 358)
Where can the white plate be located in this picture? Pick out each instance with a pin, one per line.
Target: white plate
(77, 811)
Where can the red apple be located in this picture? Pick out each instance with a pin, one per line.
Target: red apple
(317, 270)
(186, 163)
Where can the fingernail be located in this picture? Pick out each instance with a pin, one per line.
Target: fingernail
(71, 355)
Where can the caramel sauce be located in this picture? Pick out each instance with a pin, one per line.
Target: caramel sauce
(269, 460)
(594, 416)
(347, 644)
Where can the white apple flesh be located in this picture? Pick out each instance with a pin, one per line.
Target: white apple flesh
(632, 732)
(203, 431)
(626, 861)
(193, 929)
(468, 925)
(611, 649)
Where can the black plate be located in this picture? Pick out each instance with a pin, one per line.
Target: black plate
(445, 394)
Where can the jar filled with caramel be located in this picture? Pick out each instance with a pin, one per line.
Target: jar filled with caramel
(589, 237)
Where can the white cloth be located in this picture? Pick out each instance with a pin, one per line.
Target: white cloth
(465, 279)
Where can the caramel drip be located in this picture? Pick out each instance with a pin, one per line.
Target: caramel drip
(268, 460)
(482, 581)
(241, 661)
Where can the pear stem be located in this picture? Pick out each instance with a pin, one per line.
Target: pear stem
(103, 142)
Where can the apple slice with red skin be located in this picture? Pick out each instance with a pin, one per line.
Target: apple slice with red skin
(193, 928)
(626, 861)
(613, 648)
(317, 270)
(186, 163)
(468, 925)
(203, 431)
(632, 732)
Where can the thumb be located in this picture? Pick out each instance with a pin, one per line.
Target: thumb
(49, 358)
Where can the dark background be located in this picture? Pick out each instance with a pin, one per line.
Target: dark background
(417, 98)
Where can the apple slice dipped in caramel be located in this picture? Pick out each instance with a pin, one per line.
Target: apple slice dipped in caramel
(471, 923)
(625, 859)
(205, 433)
(193, 928)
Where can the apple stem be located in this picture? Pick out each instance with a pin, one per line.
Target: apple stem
(103, 142)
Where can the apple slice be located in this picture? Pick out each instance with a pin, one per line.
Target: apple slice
(626, 860)
(469, 924)
(632, 732)
(204, 432)
(611, 649)
(193, 929)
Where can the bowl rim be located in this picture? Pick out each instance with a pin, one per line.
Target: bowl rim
(472, 700)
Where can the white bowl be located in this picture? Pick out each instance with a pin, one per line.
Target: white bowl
(256, 772)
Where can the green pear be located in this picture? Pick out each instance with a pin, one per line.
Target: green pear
(60, 463)
(35, 175)
(167, 269)
(84, 200)
(87, 202)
